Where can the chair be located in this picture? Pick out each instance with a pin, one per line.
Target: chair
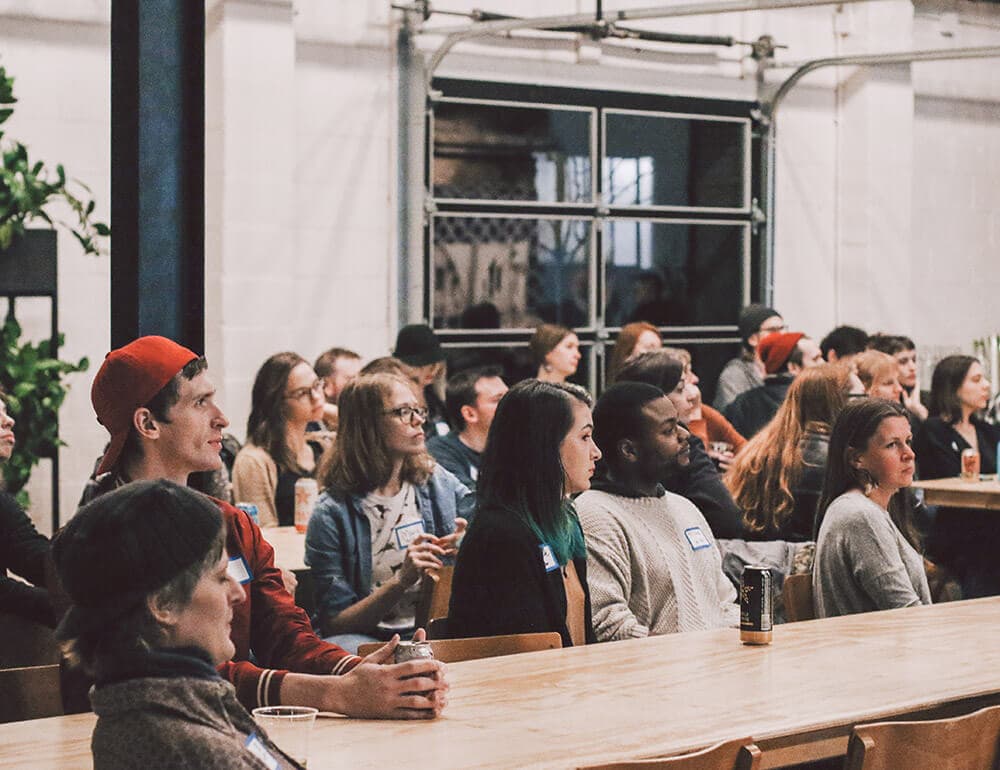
(970, 741)
(437, 628)
(474, 648)
(32, 692)
(797, 593)
(26, 643)
(434, 597)
(739, 754)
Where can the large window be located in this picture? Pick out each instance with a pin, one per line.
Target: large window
(590, 209)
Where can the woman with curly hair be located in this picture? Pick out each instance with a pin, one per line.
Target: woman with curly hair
(776, 480)
(388, 515)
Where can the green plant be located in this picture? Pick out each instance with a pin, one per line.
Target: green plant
(27, 187)
(32, 378)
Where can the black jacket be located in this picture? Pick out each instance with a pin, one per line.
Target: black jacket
(23, 551)
(699, 481)
(500, 585)
(754, 409)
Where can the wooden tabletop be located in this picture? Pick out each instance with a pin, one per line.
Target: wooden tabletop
(962, 494)
(797, 697)
(289, 547)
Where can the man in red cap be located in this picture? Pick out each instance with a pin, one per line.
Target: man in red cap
(156, 400)
(784, 355)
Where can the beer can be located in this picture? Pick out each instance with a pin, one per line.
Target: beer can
(250, 510)
(970, 465)
(413, 651)
(306, 492)
(756, 605)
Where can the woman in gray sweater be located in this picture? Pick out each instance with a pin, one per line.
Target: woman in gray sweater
(866, 546)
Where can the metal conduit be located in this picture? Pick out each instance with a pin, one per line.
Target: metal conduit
(456, 35)
(771, 109)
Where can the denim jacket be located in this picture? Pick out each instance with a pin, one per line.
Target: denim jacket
(339, 539)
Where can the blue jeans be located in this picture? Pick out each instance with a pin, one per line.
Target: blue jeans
(350, 642)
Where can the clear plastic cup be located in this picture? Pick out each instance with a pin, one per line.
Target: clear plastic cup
(289, 728)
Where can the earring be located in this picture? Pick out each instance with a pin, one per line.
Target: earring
(868, 484)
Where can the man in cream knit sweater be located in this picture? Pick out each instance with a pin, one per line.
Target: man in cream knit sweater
(652, 563)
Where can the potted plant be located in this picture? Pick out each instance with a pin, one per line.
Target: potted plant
(32, 375)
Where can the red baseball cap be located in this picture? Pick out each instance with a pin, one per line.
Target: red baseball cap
(775, 349)
(128, 379)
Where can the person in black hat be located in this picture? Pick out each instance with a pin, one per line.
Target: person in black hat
(146, 569)
(419, 348)
(746, 372)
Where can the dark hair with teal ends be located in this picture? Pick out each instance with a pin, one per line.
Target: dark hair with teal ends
(521, 470)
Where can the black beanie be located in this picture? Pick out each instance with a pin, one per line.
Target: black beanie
(127, 544)
(417, 345)
(752, 317)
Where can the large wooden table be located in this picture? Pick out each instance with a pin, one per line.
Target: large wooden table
(797, 697)
(961, 494)
(289, 547)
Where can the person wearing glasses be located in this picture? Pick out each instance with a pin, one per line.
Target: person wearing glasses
(287, 397)
(387, 516)
(746, 371)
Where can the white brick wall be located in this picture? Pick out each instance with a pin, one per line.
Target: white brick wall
(883, 177)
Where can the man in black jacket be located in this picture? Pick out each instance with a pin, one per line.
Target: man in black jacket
(784, 356)
(22, 549)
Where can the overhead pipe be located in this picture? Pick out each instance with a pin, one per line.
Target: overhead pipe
(770, 111)
(456, 35)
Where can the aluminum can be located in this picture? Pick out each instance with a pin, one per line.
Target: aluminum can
(970, 465)
(413, 651)
(756, 605)
(306, 493)
(250, 510)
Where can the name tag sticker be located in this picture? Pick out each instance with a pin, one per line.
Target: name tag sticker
(474, 473)
(407, 533)
(696, 538)
(256, 747)
(239, 570)
(549, 557)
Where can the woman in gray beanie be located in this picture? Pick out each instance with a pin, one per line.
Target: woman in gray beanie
(147, 572)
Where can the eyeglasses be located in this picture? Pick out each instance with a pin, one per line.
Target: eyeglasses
(405, 414)
(315, 389)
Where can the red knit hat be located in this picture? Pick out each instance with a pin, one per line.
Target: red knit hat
(775, 349)
(127, 380)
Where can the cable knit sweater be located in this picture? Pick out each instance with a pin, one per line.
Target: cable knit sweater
(652, 566)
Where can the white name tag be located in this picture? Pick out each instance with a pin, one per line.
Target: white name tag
(238, 570)
(696, 538)
(442, 428)
(549, 558)
(256, 747)
(474, 473)
(407, 533)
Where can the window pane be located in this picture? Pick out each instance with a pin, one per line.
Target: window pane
(528, 270)
(673, 273)
(513, 359)
(504, 153)
(674, 161)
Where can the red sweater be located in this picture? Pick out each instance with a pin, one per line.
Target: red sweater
(270, 623)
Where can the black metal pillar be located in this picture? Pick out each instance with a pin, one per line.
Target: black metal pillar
(158, 170)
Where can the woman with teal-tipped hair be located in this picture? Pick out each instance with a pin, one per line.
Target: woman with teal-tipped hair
(523, 565)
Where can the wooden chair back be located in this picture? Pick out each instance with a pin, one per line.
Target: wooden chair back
(437, 628)
(26, 643)
(31, 692)
(474, 648)
(960, 743)
(739, 754)
(435, 594)
(797, 594)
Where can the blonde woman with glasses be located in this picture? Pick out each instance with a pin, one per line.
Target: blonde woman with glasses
(287, 397)
(388, 514)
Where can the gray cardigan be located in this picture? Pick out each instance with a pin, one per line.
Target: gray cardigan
(863, 562)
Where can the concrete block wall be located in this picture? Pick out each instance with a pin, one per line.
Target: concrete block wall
(883, 176)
